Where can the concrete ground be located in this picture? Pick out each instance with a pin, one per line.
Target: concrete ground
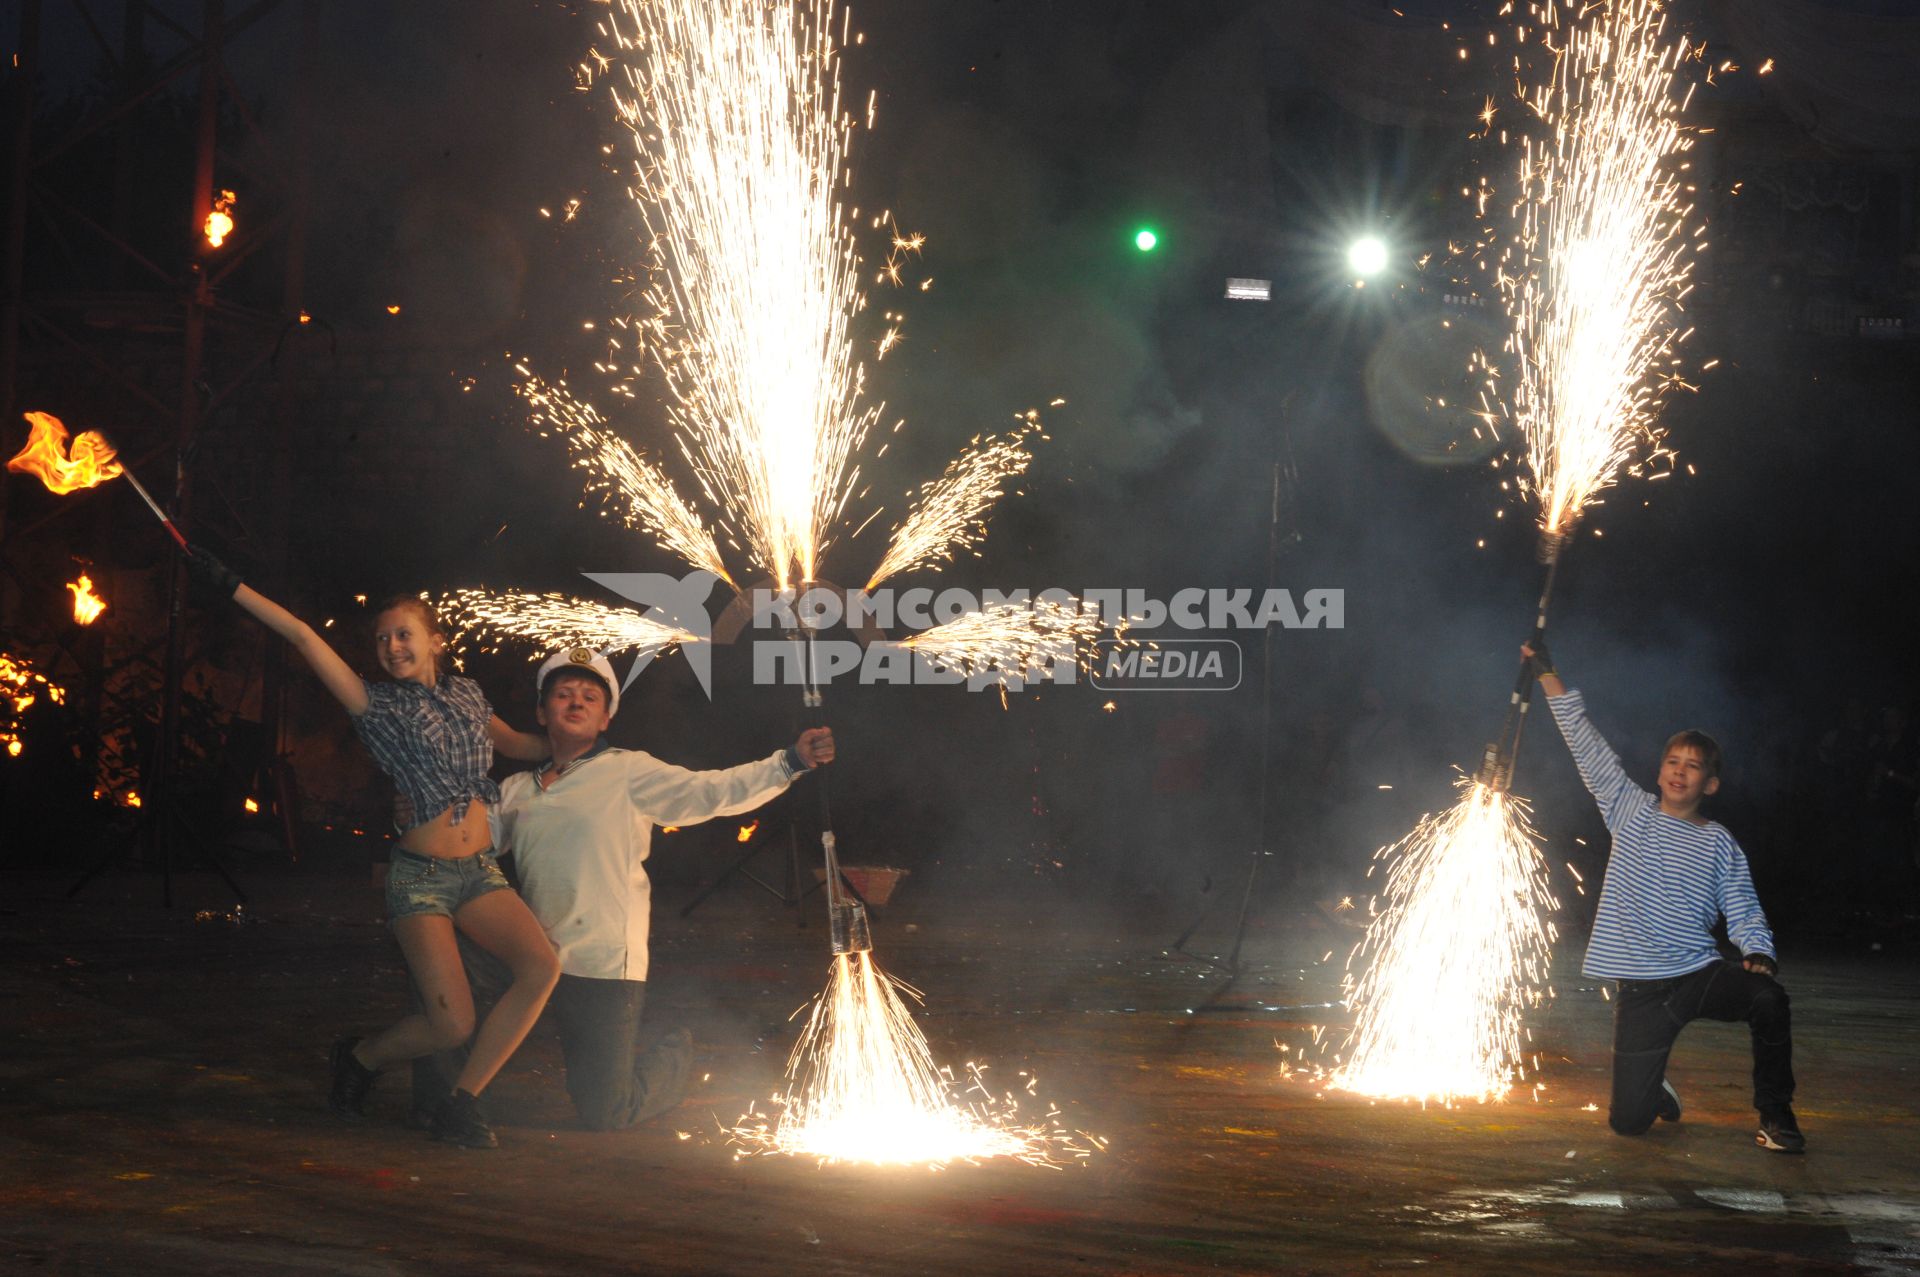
(161, 1111)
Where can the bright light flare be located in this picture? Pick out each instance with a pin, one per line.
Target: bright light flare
(1367, 256)
(862, 1086)
(87, 606)
(735, 116)
(1604, 252)
(46, 457)
(547, 621)
(1454, 959)
(1013, 638)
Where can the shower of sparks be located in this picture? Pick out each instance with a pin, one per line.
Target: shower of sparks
(1011, 637)
(949, 514)
(1457, 954)
(741, 144)
(547, 621)
(862, 1086)
(652, 505)
(1604, 253)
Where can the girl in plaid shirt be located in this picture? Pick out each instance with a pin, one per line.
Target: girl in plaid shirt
(434, 734)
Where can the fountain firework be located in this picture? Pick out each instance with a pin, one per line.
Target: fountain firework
(1439, 1005)
(1594, 278)
(863, 1087)
(1592, 281)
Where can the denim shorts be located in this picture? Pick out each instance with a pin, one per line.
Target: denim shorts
(432, 884)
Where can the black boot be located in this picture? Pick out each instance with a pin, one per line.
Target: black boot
(351, 1082)
(460, 1120)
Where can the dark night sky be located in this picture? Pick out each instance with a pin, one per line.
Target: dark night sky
(1027, 138)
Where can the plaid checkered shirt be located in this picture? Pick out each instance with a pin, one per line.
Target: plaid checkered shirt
(433, 743)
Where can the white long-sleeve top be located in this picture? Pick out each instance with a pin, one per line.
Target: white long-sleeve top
(1668, 880)
(580, 845)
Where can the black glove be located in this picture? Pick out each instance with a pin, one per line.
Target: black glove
(1767, 965)
(1542, 659)
(211, 576)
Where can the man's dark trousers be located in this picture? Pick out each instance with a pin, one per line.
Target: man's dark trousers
(1649, 1014)
(610, 1083)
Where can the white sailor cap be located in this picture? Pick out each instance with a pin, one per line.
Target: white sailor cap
(583, 660)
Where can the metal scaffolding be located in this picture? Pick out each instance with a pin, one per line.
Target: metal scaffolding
(184, 296)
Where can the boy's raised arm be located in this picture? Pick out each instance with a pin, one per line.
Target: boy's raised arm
(1599, 766)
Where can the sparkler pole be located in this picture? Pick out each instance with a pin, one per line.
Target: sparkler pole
(847, 924)
(158, 513)
(1502, 756)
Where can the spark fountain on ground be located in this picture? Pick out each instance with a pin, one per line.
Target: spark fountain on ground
(1592, 283)
(741, 147)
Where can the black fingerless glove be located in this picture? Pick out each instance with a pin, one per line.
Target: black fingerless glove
(212, 577)
(1542, 659)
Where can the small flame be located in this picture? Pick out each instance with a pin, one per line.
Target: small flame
(87, 606)
(133, 798)
(14, 747)
(251, 806)
(220, 220)
(46, 457)
(394, 309)
(746, 832)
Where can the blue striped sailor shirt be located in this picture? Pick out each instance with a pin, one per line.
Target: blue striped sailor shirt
(433, 742)
(1668, 880)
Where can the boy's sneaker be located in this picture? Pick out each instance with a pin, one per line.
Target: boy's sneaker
(1779, 1132)
(347, 1096)
(459, 1120)
(1669, 1107)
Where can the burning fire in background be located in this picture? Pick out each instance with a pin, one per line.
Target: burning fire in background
(87, 606)
(46, 457)
(20, 686)
(220, 220)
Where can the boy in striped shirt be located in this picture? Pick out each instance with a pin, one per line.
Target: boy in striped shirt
(1671, 875)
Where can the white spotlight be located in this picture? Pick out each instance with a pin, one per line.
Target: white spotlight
(1367, 256)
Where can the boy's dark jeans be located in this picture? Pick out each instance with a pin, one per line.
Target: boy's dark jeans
(1649, 1014)
(599, 1026)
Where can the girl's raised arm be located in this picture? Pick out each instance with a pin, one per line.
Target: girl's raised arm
(347, 687)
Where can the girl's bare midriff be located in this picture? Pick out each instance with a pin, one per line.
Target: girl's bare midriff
(442, 838)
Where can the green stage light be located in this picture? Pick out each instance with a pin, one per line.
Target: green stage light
(1145, 240)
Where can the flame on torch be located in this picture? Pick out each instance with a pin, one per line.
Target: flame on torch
(47, 459)
(87, 606)
(220, 220)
